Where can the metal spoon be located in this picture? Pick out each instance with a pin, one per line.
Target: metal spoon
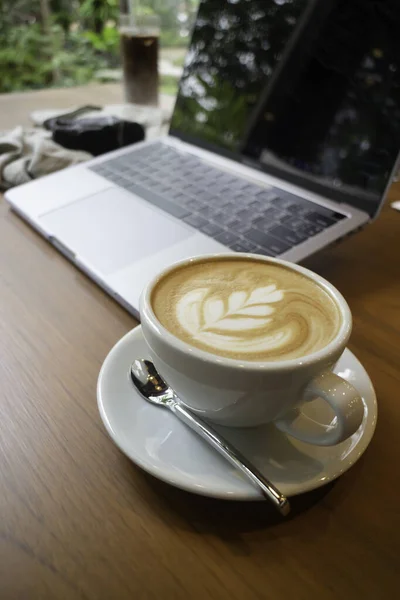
(153, 388)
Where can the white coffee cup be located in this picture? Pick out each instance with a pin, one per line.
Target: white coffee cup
(240, 393)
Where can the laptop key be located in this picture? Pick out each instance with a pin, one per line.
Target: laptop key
(104, 172)
(226, 205)
(276, 246)
(220, 189)
(271, 214)
(121, 181)
(196, 221)
(228, 179)
(178, 185)
(181, 198)
(221, 218)
(295, 208)
(206, 196)
(170, 207)
(201, 169)
(197, 178)
(227, 238)
(207, 211)
(268, 241)
(302, 227)
(115, 178)
(169, 178)
(239, 226)
(192, 189)
(239, 185)
(244, 202)
(285, 234)
(185, 185)
(283, 203)
(245, 215)
(211, 229)
(122, 168)
(264, 224)
(257, 205)
(215, 202)
(267, 252)
(293, 222)
(310, 230)
(162, 189)
(250, 190)
(266, 195)
(194, 204)
(323, 220)
(244, 246)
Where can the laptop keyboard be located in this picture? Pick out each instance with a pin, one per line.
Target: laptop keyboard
(239, 214)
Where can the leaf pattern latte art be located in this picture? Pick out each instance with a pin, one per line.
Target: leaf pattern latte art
(233, 323)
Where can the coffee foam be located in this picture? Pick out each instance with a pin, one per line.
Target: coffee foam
(246, 309)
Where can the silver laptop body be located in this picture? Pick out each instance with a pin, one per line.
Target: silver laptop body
(108, 217)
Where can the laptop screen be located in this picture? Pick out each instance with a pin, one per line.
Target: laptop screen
(308, 90)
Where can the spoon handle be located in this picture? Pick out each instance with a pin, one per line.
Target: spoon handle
(235, 457)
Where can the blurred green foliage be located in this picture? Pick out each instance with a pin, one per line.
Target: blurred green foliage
(65, 42)
(105, 42)
(32, 59)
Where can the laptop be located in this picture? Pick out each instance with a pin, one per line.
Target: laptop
(283, 140)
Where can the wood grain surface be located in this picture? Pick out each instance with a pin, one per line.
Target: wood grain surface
(79, 521)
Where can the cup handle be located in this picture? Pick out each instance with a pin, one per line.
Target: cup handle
(346, 403)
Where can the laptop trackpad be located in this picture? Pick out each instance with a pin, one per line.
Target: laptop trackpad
(112, 229)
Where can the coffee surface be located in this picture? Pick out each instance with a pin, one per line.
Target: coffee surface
(246, 309)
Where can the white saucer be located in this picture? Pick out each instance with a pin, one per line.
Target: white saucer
(158, 443)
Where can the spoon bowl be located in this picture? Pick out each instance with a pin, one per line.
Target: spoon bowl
(149, 383)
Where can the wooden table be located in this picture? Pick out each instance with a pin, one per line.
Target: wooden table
(78, 520)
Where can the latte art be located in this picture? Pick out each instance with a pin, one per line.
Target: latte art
(221, 325)
(248, 309)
